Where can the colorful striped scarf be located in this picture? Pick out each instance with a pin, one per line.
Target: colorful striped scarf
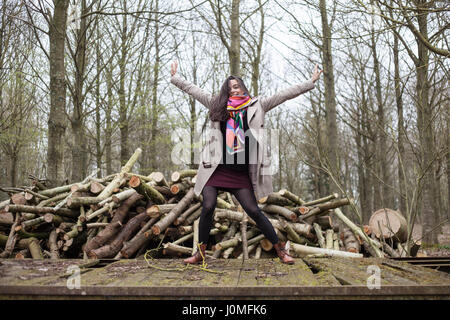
(235, 136)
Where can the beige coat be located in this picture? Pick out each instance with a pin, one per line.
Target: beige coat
(259, 170)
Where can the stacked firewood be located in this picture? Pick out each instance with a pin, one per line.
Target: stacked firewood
(125, 214)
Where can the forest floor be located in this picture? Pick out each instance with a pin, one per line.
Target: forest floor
(442, 249)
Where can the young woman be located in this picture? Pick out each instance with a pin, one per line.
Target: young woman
(242, 170)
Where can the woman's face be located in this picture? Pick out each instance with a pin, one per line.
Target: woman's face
(235, 89)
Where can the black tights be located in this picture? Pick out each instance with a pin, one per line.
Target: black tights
(247, 199)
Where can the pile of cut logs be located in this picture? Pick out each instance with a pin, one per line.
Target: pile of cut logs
(124, 215)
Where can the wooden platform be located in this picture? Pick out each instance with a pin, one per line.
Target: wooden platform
(308, 278)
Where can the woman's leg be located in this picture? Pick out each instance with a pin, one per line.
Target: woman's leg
(247, 199)
(206, 219)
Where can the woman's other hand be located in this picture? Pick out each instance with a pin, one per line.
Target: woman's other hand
(173, 68)
(316, 74)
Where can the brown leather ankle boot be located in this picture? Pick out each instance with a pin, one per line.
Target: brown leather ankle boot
(282, 253)
(197, 257)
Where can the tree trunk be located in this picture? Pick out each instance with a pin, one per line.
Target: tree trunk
(332, 162)
(235, 47)
(56, 119)
(425, 114)
(401, 156)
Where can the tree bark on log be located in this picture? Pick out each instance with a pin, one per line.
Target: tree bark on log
(324, 207)
(301, 229)
(117, 181)
(147, 190)
(321, 200)
(6, 218)
(393, 225)
(182, 218)
(115, 224)
(115, 246)
(174, 213)
(12, 239)
(158, 210)
(348, 238)
(43, 210)
(302, 251)
(159, 179)
(277, 199)
(357, 231)
(319, 235)
(274, 209)
(289, 195)
(52, 239)
(177, 176)
(244, 237)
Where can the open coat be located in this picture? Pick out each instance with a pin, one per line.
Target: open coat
(211, 155)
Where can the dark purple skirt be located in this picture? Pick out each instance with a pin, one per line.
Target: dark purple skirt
(228, 178)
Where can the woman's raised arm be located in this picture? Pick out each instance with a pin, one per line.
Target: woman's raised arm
(294, 91)
(196, 92)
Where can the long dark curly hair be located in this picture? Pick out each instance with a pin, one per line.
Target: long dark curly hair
(218, 110)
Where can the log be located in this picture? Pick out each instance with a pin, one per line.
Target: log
(393, 225)
(35, 248)
(224, 214)
(244, 237)
(266, 245)
(125, 233)
(329, 238)
(321, 200)
(324, 207)
(275, 209)
(76, 202)
(117, 181)
(42, 210)
(12, 239)
(180, 187)
(195, 240)
(319, 235)
(182, 218)
(6, 218)
(180, 250)
(230, 234)
(277, 199)
(19, 198)
(191, 218)
(351, 244)
(52, 201)
(174, 213)
(177, 176)
(324, 222)
(301, 229)
(53, 246)
(96, 187)
(303, 251)
(159, 179)
(158, 210)
(357, 231)
(258, 252)
(107, 233)
(289, 195)
(23, 254)
(140, 240)
(147, 190)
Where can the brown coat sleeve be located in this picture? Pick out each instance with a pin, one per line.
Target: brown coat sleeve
(197, 93)
(268, 103)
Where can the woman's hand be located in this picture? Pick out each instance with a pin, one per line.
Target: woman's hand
(173, 67)
(316, 74)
